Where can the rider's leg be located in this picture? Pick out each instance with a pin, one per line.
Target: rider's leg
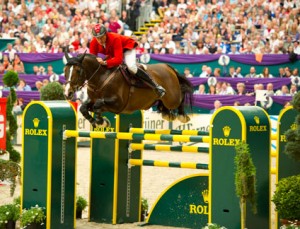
(130, 61)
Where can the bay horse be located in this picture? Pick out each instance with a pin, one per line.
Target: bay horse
(108, 90)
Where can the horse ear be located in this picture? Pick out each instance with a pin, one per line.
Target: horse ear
(67, 56)
(82, 57)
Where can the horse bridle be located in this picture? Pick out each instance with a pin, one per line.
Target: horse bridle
(81, 72)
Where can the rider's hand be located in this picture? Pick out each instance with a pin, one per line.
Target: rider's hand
(101, 61)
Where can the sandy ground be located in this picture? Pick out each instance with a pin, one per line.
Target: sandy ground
(153, 182)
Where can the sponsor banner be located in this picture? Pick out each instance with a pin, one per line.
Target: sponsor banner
(3, 123)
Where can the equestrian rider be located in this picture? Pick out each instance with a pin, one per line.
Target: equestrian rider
(117, 47)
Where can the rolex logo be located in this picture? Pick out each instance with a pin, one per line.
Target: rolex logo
(205, 195)
(36, 122)
(256, 119)
(226, 131)
(293, 126)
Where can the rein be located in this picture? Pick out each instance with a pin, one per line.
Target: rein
(110, 76)
(90, 77)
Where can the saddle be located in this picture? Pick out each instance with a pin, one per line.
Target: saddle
(132, 79)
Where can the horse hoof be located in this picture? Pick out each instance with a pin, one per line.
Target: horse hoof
(107, 122)
(183, 118)
(104, 123)
(94, 124)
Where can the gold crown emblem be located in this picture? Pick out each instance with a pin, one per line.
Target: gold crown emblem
(256, 119)
(205, 195)
(36, 122)
(293, 126)
(226, 131)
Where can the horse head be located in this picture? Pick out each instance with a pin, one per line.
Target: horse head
(75, 74)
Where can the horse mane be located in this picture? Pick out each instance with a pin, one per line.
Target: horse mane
(76, 60)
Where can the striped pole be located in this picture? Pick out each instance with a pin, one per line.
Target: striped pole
(176, 132)
(183, 165)
(190, 149)
(132, 136)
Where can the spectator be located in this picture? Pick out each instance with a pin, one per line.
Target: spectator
(295, 72)
(252, 73)
(201, 90)
(238, 72)
(284, 91)
(217, 105)
(187, 73)
(5, 61)
(45, 82)
(17, 109)
(265, 73)
(134, 12)
(38, 85)
(226, 89)
(232, 72)
(286, 104)
(2, 70)
(241, 89)
(52, 75)
(18, 64)
(281, 73)
(212, 90)
(293, 89)
(234, 50)
(217, 72)
(41, 71)
(270, 89)
(297, 47)
(212, 48)
(204, 71)
(10, 51)
(23, 86)
(236, 103)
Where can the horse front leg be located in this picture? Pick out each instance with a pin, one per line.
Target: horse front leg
(100, 106)
(85, 109)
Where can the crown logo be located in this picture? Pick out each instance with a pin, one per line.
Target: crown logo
(293, 126)
(226, 131)
(256, 119)
(36, 122)
(205, 195)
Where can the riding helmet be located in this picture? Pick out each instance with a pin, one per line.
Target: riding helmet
(99, 30)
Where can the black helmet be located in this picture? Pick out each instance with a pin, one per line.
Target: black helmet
(99, 30)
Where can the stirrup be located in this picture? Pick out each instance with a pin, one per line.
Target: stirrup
(160, 91)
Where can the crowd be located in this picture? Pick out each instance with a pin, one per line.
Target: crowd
(186, 27)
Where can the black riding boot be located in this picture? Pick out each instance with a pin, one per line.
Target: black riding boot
(158, 89)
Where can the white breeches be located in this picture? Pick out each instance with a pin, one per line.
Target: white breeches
(130, 60)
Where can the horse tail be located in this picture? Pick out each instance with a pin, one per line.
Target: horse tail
(187, 89)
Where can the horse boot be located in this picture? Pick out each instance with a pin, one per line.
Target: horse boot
(160, 91)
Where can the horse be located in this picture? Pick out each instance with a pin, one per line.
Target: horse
(108, 89)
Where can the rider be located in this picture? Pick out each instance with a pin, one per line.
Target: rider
(114, 46)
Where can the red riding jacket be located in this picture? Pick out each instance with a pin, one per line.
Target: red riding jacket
(115, 46)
